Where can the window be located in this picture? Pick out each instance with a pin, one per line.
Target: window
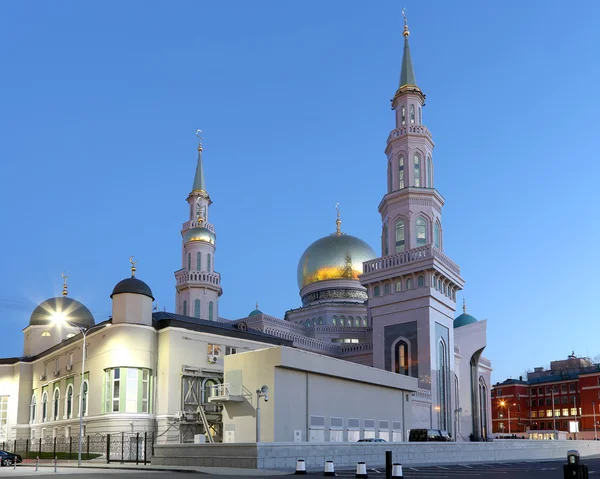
(131, 394)
(401, 358)
(548, 401)
(357, 322)
(145, 390)
(386, 288)
(376, 291)
(210, 309)
(230, 350)
(184, 307)
(46, 334)
(320, 321)
(198, 261)
(70, 359)
(436, 235)
(398, 286)
(565, 411)
(189, 261)
(214, 350)
(421, 231)
(564, 400)
(409, 283)
(32, 408)
(417, 169)
(334, 320)
(420, 280)
(197, 308)
(420, 122)
(126, 390)
(116, 389)
(572, 387)
(3, 418)
(573, 411)
(386, 250)
(412, 114)
(364, 323)
(442, 382)
(429, 173)
(69, 402)
(55, 401)
(389, 173)
(44, 406)
(548, 390)
(403, 115)
(399, 236)
(208, 262)
(400, 172)
(533, 414)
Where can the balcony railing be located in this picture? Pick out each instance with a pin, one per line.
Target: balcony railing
(410, 129)
(410, 256)
(183, 276)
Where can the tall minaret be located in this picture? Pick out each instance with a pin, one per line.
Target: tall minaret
(412, 287)
(198, 284)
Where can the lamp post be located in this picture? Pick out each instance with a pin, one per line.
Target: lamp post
(260, 393)
(457, 422)
(595, 430)
(507, 406)
(84, 332)
(553, 417)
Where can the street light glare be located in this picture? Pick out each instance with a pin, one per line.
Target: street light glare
(58, 317)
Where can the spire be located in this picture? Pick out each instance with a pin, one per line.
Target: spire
(133, 263)
(407, 75)
(199, 182)
(64, 291)
(464, 306)
(338, 221)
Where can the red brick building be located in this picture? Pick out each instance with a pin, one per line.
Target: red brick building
(557, 399)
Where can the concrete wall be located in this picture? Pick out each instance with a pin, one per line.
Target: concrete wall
(283, 456)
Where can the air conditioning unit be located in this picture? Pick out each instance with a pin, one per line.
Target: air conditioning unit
(57, 373)
(212, 358)
(69, 367)
(42, 377)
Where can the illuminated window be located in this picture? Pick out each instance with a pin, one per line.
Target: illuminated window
(573, 411)
(548, 412)
(399, 236)
(417, 169)
(401, 358)
(197, 308)
(421, 230)
(533, 413)
(400, 172)
(210, 311)
(46, 334)
(3, 418)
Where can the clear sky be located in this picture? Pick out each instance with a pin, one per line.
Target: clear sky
(99, 102)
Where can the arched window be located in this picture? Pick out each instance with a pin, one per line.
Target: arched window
(69, 402)
(417, 169)
(334, 320)
(409, 283)
(364, 322)
(44, 406)
(439, 284)
(429, 173)
(320, 321)
(197, 308)
(403, 115)
(420, 122)
(343, 321)
(314, 322)
(483, 400)
(46, 334)
(32, 410)
(389, 175)
(420, 280)
(400, 172)
(385, 241)
(210, 311)
(433, 281)
(376, 291)
(55, 403)
(184, 307)
(399, 236)
(412, 114)
(436, 235)
(208, 262)
(442, 384)
(386, 288)
(198, 261)
(421, 230)
(357, 322)
(189, 261)
(84, 399)
(401, 358)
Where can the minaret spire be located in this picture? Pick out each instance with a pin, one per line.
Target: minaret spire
(64, 277)
(338, 221)
(199, 181)
(464, 306)
(407, 74)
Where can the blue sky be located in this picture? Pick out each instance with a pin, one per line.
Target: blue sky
(100, 102)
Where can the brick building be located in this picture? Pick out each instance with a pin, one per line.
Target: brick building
(564, 398)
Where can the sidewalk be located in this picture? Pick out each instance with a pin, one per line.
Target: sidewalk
(87, 465)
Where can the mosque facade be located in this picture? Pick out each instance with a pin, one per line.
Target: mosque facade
(394, 311)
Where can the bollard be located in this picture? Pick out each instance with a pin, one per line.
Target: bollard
(397, 471)
(573, 469)
(361, 471)
(37, 461)
(15, 464)
(55, 464)
(300, 466)
(329, 468)
(388, 464)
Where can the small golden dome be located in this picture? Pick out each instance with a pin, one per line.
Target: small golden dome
(199, 234)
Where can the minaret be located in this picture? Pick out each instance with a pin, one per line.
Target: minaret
(412, 287)
(198, 285)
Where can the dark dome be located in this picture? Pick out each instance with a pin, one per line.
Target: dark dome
(132, 285)
(63, 307)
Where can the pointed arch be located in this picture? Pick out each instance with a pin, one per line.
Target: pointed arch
(197, 308)
(400, 235)
(385, 241)
(437, 234)
(55, 404)
(417, 170)
(44, 406)
(442, 383)
(421, 231)
(401, 356)
(429, 172)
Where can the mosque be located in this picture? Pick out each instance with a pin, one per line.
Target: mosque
(392, 312)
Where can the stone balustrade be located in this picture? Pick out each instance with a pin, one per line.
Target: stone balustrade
(410, 256)
(197, 277)
(411, 130)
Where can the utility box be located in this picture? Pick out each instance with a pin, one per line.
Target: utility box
(199, 439)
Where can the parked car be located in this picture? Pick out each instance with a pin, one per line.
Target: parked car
(8, 458)
(426, 435)
(372, 439)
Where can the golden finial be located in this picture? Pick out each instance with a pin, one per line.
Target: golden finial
(406, 33)
(133, 263)
(199, 135)
(338, 221)
(464, 306)
(64, 277)
(257, 305)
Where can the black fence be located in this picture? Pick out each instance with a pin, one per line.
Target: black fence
(117, 447)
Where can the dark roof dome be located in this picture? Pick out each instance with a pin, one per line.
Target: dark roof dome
(63, 308)
(132, 285)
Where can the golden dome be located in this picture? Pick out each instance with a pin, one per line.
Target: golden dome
(338, 256)
(199, 233)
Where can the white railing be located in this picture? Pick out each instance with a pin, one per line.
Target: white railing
(414, 129)
(192, 224)
(183, 276)
(410, 256)
(220, 390)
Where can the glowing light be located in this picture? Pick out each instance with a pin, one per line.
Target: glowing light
(58, 317)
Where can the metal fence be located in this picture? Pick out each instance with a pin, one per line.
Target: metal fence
(116, 447)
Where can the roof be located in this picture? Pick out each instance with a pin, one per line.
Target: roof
(132, 285)
(199, 180)
(68, 309)
(163, 320)
(464, 319)
(407, 75)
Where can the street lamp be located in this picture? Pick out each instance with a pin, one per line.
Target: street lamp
(59, 320)
(457, 422)
(260, 393)
(595, 430)
(505, 404)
